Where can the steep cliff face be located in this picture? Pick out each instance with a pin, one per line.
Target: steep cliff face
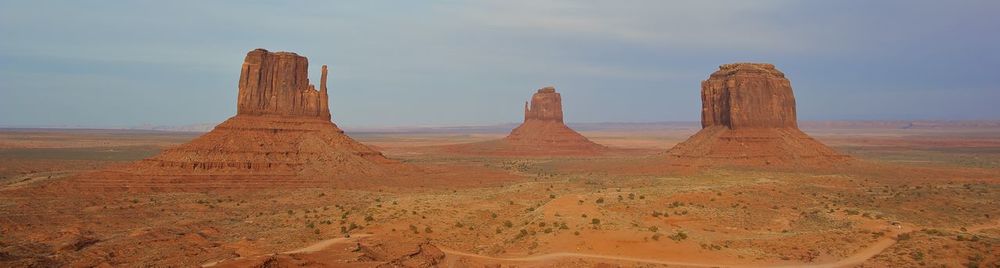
(747, 95)
(281, 135)
(748, 119)
(545, 105)
(277, 83)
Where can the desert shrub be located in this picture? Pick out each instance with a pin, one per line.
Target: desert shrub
(974, 261)
(548, 230)
(653, 229)
(595, 221)
(508, 224)
(679, 236)
(428, 230)
(369, 218)
(657, 214)
(521, 234)
(600, 200)
(458, 224)
(414, 229)
(902, 237)
(552, 196)
(934, 232)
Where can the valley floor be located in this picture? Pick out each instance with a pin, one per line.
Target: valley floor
(920, 198)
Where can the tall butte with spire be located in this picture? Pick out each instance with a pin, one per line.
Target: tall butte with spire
(543, 132)
(281, 134)
(748, 119)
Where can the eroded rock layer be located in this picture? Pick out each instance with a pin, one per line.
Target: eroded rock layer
(255, 145)
(748, 119)
(281, 133)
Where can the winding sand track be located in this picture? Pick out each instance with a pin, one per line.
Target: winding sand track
(853, 260)
(857, 258)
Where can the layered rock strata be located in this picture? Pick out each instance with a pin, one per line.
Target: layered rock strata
(543, 131)
(748, 119)
(281, 133)
(277, 83)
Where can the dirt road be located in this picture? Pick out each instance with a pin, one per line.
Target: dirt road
(857, 258)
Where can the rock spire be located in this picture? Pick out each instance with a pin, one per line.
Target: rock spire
(277, 83)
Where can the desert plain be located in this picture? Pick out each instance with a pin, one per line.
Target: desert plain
(920, 194)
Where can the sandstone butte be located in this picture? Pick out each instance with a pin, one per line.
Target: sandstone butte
(748, 119)
(281, 134)
(543, 133)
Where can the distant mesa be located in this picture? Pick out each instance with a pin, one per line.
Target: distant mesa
(544, 129)
(543, 132)
(281, 134)
(748, 119)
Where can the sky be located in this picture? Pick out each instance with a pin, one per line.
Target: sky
(449, 63)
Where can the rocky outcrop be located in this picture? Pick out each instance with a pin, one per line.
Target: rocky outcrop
(748, 119)
(277, 83)
(747, 95)
(281, 135)
(545, 105)
(543, 133)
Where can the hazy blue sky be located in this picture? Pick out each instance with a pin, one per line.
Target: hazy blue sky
(121, 63)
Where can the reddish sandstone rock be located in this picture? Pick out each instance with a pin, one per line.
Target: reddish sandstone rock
(747, 95)
(748, 119)
(277, 83)
(543, 132)
(281, 135)
(545, 105)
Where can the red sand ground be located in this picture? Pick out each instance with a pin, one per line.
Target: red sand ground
(462, 206)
